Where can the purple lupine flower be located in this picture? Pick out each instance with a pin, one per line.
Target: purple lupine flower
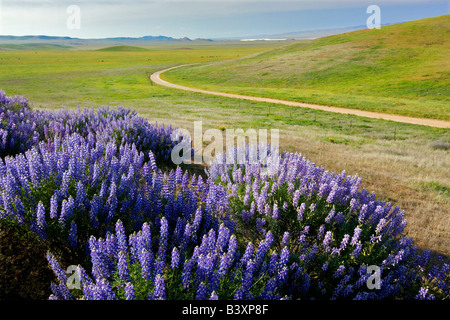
(380, 226)
(339, 218)
(213, 296)
(112, 201)
(424, 294)
(54, 264)
(303, 235)
(73, 235)
(54, 207)
(247, 280)
(175, 258)
(252, 209)
(248, 254)
(99, 267)
(66, 210)
(353, 205)
(84, 278)
(222, 238)
(81, 195)
(201, 292)
(163, 238)
(267, 209)
(63, 217)
(20, 210)
(321, 232)
(122, 266)
(356, 235)
(152, 161)
(227, 259)
(275, 212)
(160, 288)
(129, 291)
(285, 239)
(40, 216)
(327, 240)
(296, 198)
(260, 223)
(145, 238)
(104, 290)
(378, 213)
(339, 272)
(263, 247)
(121, 237)
(187, 272)
(273, 263)
(109, 245)
(357, 250)
(96, 209)
(362, 213)
(60, 292)
(197, 219)
(330, 216)
(146, 262)
(344, 242)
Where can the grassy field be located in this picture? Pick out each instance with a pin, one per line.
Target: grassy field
(102, 76)
(400, 69)
(406, 164)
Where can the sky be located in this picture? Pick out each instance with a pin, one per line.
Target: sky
(200, 18)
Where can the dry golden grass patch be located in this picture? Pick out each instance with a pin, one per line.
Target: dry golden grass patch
(396, 173)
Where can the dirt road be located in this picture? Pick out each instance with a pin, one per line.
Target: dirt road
(155, 77)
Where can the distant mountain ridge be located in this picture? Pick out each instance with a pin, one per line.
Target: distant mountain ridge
(69, 41)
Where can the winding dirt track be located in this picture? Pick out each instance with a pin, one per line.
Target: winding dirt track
(155, 77)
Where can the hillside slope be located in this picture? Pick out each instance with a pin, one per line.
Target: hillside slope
(401, 69)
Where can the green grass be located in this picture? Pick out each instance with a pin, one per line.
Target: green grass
(401, 69)
(119, 75)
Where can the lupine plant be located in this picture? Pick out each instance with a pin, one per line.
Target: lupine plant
(332, 230)
(21, 128)
(136, 267)
(19, 125)
(121, 126)
(278, 228)
(68, 190)
(321, 250)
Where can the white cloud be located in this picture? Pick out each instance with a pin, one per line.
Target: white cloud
(101, 18)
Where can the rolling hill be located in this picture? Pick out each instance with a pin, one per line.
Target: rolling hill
(399, 69)
(122, 49)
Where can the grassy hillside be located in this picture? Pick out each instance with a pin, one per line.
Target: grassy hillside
(122, 49)
(34, 46)
(401, 69)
